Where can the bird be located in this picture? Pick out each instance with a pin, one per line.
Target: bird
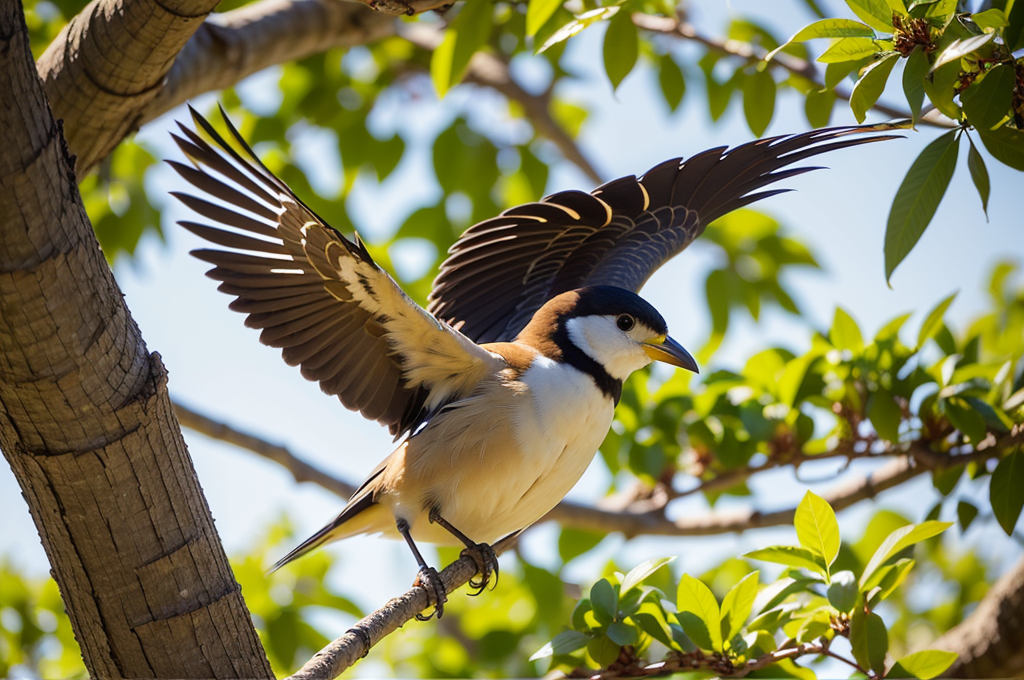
(500, 392)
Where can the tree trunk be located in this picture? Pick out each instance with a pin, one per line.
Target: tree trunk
(87, 425)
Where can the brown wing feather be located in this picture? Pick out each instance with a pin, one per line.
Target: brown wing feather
(500, 272)
(315, 294)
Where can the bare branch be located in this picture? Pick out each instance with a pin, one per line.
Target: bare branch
(108, 63)
(794, 65)
(333, 659)
(230, 46)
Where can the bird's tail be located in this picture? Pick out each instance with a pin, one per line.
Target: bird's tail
(341, 527)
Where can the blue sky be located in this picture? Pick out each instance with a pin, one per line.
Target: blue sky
(218, 366)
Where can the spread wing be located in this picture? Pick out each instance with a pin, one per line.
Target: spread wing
(317, 295)
(499, 272)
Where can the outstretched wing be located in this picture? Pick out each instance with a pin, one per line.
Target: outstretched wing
(499, 272)
(317, 295)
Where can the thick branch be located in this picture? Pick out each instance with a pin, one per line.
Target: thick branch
(333, 659)
(108, 63)
(794, 65)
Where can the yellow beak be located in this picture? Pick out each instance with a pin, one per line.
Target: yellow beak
(664, 348)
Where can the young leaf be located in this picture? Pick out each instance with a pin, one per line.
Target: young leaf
(621, 48)
(1005, 490)
(759, 101)
(870, 85)
(826, 28)
(848, 49)
(918, 198)
(875, 13)
(914, 74)
(869, 640)
(933, 321)
(604, 601)
(990, 19)
(987, 101)
(816, 527)
(845, 333)
(842, 593)
(898, 540)
(696, 599)
(566, 642)
(791, 556)
(923, 665)
(537, 14)
(737, 605)
(651, 618)
(979, 175)
(886, 580)
(961, 48)
(641, 572)
(577, 24)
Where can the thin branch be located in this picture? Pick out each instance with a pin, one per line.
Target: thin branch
(341, 653)
(795, 65)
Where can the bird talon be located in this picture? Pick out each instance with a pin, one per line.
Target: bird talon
(428, 579)
(486, 565)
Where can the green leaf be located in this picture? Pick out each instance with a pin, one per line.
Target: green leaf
(987, 101)
(623, 633)
(885, 415)
(577, 24)
(849, 49)
(990, 19)
(979, 175)
(604, 601)
(875, 13)
(672, 82)
(898, 540)
(845, 334)
(964, 418)
(961, 48)
(791, 556)
(566, 642)
(933, 322)
(842, 593)
(759, 101)
(1005, 490)
(466, 34)
(621, 48)
(965, 514)
(886, 580)
(914, 74)
(918, 198)
(737, 605)
(1006, 145)
(537, 14)
(817, 528)
(869, 640)
(870, 85)
(641, 572)
(696, 599)
(574, 542)
(818, 107)
(826, 28)
(925, 665)
(651, 619)
(603, 650)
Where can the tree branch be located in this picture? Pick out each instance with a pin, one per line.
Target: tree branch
(108, 63)
(795, 65)
(333, 659)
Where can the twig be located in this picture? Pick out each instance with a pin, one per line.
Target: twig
(795, 65)
(341, 653)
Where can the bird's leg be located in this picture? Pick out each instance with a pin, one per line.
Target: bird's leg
(427, 578)
(481, 553)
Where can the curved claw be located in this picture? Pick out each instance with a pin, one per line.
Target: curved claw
(428, 579)
(486, 565)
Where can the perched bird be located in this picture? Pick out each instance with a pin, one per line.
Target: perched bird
(502, 392)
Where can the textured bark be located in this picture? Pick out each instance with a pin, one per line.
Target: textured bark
(990, 641)
(108, 63)
(87, 425)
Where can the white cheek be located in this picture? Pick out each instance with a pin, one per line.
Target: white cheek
(607, 345)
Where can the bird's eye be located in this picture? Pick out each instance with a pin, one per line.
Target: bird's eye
(625, 322)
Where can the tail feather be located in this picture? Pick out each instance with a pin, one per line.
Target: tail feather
(331, 532)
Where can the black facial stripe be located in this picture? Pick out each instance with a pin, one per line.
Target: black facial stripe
(580, 360)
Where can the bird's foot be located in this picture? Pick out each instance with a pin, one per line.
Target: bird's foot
(486, 566)
(428, 579)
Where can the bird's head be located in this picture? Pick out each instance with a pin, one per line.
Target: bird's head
(612, 326)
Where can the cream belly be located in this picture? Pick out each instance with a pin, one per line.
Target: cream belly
(500, 460)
